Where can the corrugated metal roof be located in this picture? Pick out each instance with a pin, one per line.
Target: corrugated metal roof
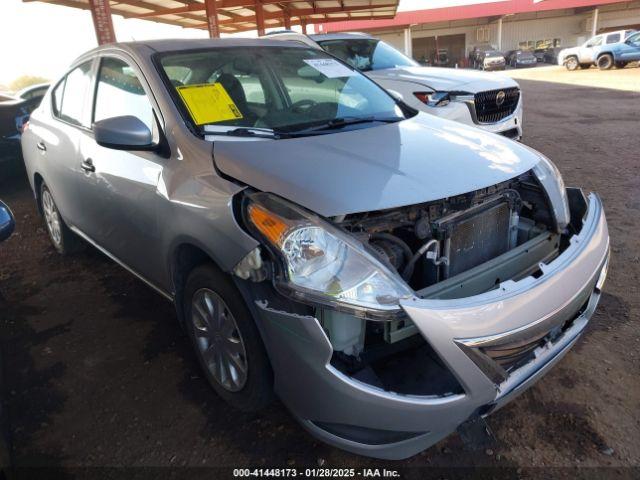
(239, 15)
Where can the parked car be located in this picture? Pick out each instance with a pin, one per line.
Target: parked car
(618, 54)
(7, 222)
(520, 59)
(538, 53)
(490, 60)
(551, 55)
(33, 91)
(13, 115)
(473, 98)
(390, 274)
(583, 56)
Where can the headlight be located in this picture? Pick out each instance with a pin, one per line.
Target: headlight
(551, 179)
(433, 99)
(321, 264)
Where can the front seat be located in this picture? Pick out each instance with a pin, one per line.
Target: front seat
(234, 88)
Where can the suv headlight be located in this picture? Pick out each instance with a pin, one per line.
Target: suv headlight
(551, 179)
(322, 264)
(433, 99)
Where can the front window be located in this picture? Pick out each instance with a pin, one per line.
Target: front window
(594, 42)
(367, 54)
(284, 89)
(120, 93)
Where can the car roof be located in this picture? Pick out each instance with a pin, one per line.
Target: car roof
(320, 37)
(149, 47)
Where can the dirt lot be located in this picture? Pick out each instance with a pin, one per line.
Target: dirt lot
(97, 372)
(619, 79)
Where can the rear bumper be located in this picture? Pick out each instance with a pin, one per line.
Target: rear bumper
(367, 420)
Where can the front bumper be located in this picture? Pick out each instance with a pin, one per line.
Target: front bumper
(367, 420)
(463, 110)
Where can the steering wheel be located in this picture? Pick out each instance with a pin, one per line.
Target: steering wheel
(302, 106)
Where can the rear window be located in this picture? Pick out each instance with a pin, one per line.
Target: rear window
(614, 38)
(70, 97)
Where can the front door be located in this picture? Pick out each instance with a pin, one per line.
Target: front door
(117, 187)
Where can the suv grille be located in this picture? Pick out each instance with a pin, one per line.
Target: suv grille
(490, 108)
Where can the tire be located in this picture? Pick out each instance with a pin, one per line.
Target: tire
(605, 62)
(63, 239)
(226, 340)
(585, 66)
(571, 64)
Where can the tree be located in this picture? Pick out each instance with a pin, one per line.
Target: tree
(26, 81)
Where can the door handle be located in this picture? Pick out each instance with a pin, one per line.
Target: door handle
(41, 146)
(88, 166)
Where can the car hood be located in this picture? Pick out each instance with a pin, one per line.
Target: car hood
(417, 160)
(445, 79)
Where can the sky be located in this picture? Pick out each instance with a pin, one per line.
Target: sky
(41, 39)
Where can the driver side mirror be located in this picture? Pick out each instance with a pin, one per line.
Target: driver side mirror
(123, 133)
(7, 222)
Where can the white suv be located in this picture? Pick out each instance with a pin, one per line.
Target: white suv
(486, 100)
(582, 55)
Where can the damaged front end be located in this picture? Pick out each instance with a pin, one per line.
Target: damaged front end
(389, 329)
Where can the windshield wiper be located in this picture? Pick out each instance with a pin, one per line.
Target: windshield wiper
(233, 131)
(341, 122)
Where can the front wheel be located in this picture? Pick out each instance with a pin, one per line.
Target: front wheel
(605, 62)
(226, 340)
(571, 63)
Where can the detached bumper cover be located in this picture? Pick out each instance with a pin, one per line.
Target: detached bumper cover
(563, 297)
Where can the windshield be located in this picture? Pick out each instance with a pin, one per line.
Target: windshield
(280, 88)
(367, 54)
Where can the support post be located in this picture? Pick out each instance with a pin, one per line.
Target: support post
(102, 21)
(500, 34)
(303, 24)
(594, 27)
(259, 17)
(408, 47)
(287, 21)
(212, 18)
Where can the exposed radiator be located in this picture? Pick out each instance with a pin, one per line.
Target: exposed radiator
(477, 237)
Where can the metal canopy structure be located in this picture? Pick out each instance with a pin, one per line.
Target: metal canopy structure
(230, 16)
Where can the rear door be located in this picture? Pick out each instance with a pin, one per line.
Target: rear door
(57, 138)
(118, 187)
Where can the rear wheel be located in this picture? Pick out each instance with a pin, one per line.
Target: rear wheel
(62, 238)
(226, 340)
(605, 62)
(571, 63)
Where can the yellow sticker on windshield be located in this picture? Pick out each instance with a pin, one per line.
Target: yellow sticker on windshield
(208, 103)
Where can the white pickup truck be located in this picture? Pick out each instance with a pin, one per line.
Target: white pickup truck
(582, 55)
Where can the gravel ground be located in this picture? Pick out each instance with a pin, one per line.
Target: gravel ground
(627, 78)
(97, 372)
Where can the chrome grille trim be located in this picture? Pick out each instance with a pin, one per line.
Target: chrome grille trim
(487, 108)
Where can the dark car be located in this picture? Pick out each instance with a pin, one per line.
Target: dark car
(551, 55)
(539, 53)
(13, 116)
(520, 59)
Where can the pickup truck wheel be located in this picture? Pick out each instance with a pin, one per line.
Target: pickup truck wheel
(571, 63)
(605, 62)
(62, 238)
(226, 340)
